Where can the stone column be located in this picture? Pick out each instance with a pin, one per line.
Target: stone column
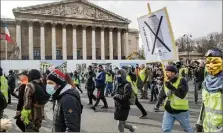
(102, 44)
(53, 41)
(110, 44)
(42, 40)
(74, 43)
(126, 44)
(119, 45)
(84, 45)
(93, 44)
(64, 42)
(18, 38)
(30, 40)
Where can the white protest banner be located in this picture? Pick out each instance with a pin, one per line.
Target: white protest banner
(157, 37)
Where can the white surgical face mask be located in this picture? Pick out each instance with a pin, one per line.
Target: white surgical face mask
(50, 89)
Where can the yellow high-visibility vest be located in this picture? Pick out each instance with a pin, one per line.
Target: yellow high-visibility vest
(76, 81)
(133, 84)
(4, 87)
(213, 106)
(176, 102)
(142, 74)
(108, 78)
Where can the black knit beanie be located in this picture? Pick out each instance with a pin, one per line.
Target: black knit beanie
(34, 74)
(171, 68)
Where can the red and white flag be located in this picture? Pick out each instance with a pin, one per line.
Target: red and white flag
(5, 35)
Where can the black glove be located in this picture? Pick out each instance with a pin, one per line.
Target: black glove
(199, 128)
(169, 86)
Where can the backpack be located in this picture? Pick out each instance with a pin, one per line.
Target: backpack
(40, 96)
(3, 102)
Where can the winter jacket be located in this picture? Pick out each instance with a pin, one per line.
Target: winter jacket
(90, 85)
(21, 95)
(100, 80)
(11, 81)
(199, 74)
(122, 105)
(180, 92)
(67, 112)
(37, 112)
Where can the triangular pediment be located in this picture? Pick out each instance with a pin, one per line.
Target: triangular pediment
(81, 9)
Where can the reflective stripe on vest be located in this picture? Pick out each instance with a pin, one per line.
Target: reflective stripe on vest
(176, 102)
(213, 120)
(133, 84)
(4, 87)
(142, 74)
(108, 78)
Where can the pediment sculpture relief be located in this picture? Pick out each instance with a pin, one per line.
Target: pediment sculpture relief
(76, 10)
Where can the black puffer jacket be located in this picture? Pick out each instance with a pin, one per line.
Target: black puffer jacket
(67, 112)
(90, 85)
(11, 81)
(122, 105)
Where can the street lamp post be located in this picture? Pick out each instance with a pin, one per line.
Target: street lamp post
(188, 46)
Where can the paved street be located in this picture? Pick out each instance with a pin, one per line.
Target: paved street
(102, 121)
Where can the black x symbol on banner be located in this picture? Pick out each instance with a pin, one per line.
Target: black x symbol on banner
(156, 35)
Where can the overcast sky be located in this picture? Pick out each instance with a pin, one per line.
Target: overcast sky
(192, 17)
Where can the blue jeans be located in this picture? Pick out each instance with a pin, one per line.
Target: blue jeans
(198, 86)
(182, 118)
(109, 87)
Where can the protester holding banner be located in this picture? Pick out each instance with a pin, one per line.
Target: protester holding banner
(176, 102)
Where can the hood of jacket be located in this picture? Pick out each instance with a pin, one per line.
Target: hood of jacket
(69, 90)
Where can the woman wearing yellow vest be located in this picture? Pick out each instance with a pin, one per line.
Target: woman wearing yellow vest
(176, 104)
(133, 79)
(77, 81)
(211, 114)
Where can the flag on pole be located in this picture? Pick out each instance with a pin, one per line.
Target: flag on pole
(5, 35)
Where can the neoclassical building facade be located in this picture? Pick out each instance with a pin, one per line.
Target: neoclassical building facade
(70, 30)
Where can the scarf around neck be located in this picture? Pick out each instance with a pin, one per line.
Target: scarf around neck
(213, 83)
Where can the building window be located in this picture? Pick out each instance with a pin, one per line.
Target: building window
(59, 54)
(79, 54)
(36, 54)
(130, 42)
